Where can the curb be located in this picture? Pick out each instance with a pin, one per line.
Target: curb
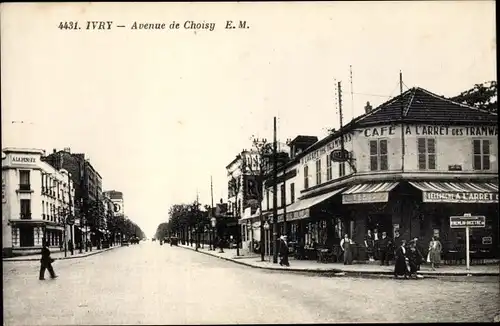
(62, 258)
(426, 274)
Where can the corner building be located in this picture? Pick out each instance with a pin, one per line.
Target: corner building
(414, 161)
(36, 200)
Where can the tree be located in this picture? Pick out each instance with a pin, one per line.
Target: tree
(482, 96)
(259, 169)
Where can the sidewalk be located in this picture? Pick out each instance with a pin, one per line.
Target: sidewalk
(59, 255)
(341, 269)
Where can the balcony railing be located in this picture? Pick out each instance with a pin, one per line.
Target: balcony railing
(26, 216)
(24, 187)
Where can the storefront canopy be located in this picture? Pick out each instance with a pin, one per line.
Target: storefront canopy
(457, 192)
(301, 208)
(368, 193)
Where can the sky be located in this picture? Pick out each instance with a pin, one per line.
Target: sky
(158, 112)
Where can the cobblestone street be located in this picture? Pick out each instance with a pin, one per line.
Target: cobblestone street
(153, 284)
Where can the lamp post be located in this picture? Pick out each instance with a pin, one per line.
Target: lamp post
(213, 222)
(266, 242)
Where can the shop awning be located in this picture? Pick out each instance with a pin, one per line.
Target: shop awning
(301, 209)
(368, 193)
(457, 192)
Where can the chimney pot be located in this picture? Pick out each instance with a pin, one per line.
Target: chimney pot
(368, 107)
(54, 150)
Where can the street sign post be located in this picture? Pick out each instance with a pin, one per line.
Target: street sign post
(467, 221)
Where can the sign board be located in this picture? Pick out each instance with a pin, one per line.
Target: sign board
(70, 220)
(487, 240)
(467, 221)
(4, 194)
(339, 155)
(117, 207)
(455, 167)
(361, 198)
(460, 197)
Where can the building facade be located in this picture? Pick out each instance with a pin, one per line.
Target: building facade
(408, 166)
(36, 200)
(88, 192)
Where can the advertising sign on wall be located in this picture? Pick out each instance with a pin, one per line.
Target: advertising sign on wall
(118, 207)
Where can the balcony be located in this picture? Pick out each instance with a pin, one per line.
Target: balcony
(25, 216)
(24, 188)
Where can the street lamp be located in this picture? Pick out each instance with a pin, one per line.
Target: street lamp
(213, 221)
(266, 246)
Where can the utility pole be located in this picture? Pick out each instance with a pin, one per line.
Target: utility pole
(402, 117)
(340, 116)
(352, 94)
(212, 235)
(275, 197)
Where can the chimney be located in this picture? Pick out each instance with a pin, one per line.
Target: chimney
(368, 107)
(54, 151)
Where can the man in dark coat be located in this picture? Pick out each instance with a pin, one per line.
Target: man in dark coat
(46, 262)
(283, 250)
(384, 245)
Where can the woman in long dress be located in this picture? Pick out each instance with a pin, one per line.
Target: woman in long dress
(401, 267)
(414, 259)
(346, 245)
(369, 245)
(434, 256)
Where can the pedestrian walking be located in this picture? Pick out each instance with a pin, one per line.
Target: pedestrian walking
(46, 262)
(369, 245)
(434, 255)
(283, 250)
(384, 245)
(402, 264)
(346, 245)
(416, 253)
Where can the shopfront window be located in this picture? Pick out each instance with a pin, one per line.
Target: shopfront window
(481, 153)
(426, 153)
(378, 155)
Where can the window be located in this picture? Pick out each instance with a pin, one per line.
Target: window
(426, 153)
(318, 172)
(328, 168)
(24, 180)
(341, 169)
(378, 155)
(306, 177)
(481, 153)
(292, 193)
(25, 209)
(283, 195)
(267, 198)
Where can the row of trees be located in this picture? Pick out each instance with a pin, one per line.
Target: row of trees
(482, 96)
(124, 226)
(184, 219)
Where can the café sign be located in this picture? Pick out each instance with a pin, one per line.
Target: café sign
(23, 159)
(460, 197)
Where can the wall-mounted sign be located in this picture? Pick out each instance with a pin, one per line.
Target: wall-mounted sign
(117, 207)
(325, 149)
(487, 240)
(361, 198)
(423, 130)
(455, 167)
(339, 155)
(18, 159)
(460, 197)
(4, 195)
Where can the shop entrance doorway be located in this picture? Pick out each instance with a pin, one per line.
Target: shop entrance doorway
(26, 236)
(381, 222)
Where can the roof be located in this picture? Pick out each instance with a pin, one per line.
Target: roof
(300, 139)
(420, 105)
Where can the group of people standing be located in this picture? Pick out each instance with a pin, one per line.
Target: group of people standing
(409, 257)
